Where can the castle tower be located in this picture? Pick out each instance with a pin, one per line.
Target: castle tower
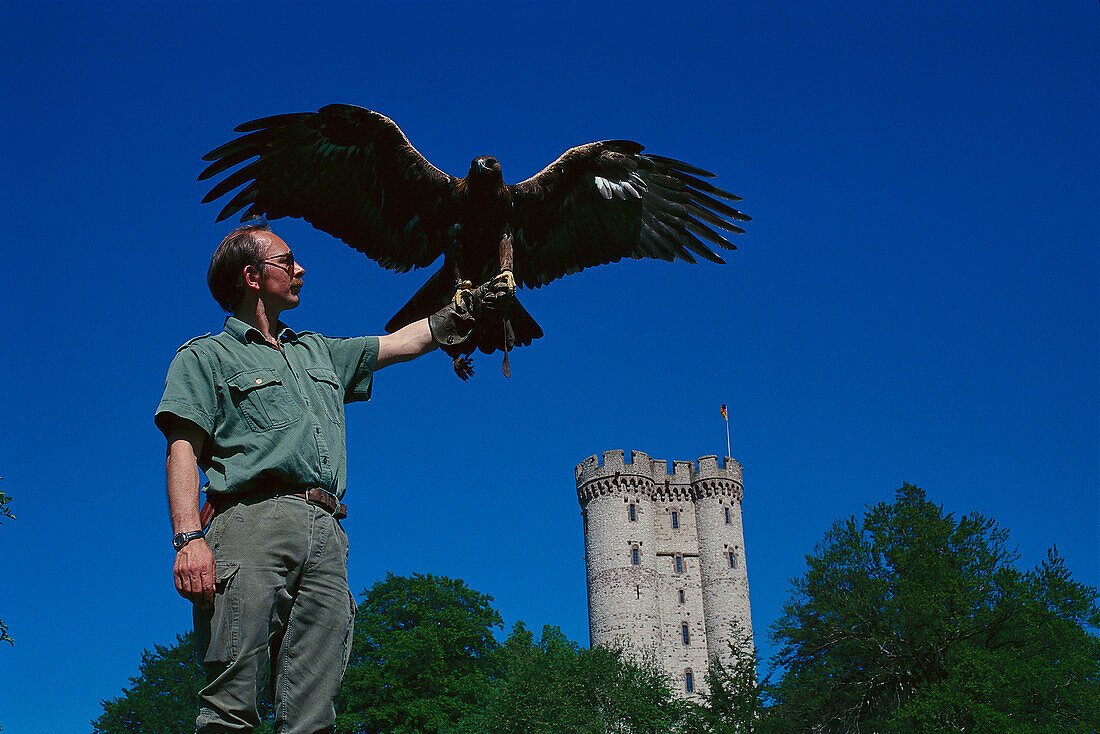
(665, 560)
(619, 548)
(717, 494)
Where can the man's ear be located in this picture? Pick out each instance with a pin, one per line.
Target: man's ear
(250, 277)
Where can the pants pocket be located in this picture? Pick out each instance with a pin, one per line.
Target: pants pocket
(218, 628)
(352, 608)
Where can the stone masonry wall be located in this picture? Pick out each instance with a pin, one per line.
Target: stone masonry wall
(677, 599)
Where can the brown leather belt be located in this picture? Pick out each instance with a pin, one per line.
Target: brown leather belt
(313, 495)
(325, 500)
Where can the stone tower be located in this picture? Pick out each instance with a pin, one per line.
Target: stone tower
(665, 559)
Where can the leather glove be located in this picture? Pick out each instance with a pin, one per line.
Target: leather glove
(454, 322)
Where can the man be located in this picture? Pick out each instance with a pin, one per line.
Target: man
(260, 409)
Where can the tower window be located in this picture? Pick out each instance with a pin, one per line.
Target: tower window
(733, 559)
(727, 516)
(634, 559)
(689, 681)
(681, 596)
(675, 520)
(679, 564)
(684, 632)
(633, 512)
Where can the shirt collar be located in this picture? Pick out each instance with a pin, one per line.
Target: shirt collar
(245, 333)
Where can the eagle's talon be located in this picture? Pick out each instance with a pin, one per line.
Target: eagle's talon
(464, 367)
(463, 286)
(509, 281)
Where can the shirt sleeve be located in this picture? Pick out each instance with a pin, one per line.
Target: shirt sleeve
(189, 392)
(354, 360)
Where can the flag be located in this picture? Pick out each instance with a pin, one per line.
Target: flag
(723, 409)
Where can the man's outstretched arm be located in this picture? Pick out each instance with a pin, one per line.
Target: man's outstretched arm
(194, 567)
(408, 342)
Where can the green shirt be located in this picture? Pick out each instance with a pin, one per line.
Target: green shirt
(269, 413)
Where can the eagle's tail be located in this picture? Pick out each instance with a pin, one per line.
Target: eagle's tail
(431, 297)
(492, 336)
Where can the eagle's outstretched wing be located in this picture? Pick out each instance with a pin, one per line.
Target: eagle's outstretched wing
(604, 201)
(347, 171)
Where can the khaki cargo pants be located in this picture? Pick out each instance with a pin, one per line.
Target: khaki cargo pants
(281, 597)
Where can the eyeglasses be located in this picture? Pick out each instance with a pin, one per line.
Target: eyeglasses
(284, 261)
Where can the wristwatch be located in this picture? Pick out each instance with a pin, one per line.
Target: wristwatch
(181, 539)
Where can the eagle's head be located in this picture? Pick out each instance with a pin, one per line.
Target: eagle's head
(485, 170)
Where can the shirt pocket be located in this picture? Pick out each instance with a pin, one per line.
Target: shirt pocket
(330, 392)
(263, 400)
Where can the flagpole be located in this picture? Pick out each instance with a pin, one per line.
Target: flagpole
(726, 418)
(728, 452)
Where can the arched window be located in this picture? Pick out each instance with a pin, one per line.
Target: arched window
(685, 634)
(733, 558)
(681, 596)
(633, 512)
(727, 516)
(635, 556)
(689, 681)
(675, 520)
(679, 561)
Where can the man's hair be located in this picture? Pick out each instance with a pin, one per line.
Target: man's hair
(240, 248)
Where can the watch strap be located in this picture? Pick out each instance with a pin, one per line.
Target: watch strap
(181, 539)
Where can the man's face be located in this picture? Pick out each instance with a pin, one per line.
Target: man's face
(280, 273)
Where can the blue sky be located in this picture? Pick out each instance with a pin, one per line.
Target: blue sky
(916, 298)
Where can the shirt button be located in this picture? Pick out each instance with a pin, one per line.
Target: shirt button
(259, 380)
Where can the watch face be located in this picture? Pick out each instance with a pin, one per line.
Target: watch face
(181, 539)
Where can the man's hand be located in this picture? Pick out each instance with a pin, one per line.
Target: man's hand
(194, 572)
(496, 296)
(454, 322)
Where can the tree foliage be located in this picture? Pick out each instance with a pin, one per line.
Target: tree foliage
(5, 511)
(555, 687)
(913, 621)
(423, 656)
(734, 700)
(161, 697)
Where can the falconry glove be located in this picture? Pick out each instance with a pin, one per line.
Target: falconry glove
(454, 322)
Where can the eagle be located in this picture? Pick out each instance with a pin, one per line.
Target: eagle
(352, 173)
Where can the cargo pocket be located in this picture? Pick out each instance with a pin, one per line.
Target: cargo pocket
(263, 400)
(352, 608)
(219, 628)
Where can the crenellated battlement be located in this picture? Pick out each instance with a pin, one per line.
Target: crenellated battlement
(709, 469)
(613, 462)
(610, 473)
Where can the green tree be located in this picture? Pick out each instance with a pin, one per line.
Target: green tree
(162, 697)
(914, 621)
(733, 700)
(5, 511)
(556, 687)
(423, 656)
